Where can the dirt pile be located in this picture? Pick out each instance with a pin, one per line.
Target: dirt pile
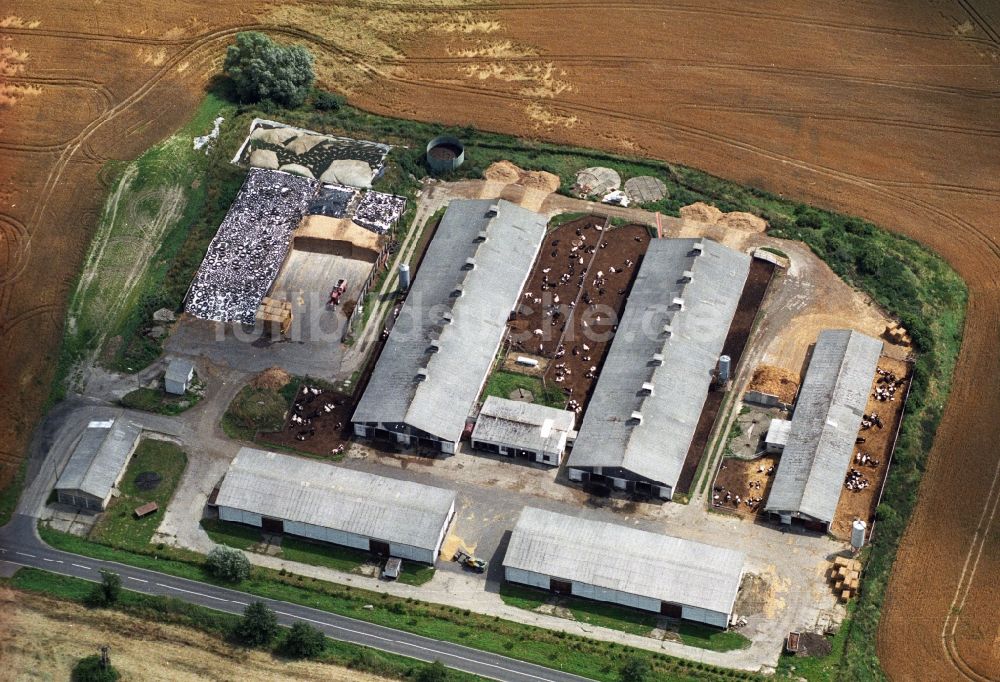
(511, 174)
(735, 220)
(272, 379)
(775, 381)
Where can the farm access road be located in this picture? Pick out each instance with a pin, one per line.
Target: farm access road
(21, 546)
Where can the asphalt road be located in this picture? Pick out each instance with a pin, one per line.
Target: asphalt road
(21, 546)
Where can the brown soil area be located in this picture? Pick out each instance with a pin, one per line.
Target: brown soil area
(741, 477)
(580, 303)
(903, 132)
(775, 381)
(325, 425)
(44, 638)
(878, 445)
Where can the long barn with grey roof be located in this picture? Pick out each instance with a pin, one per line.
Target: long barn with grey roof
(97, 464)
(445, 339)
(320, 501)
(645, 408)
(827, 417)
(623, 565)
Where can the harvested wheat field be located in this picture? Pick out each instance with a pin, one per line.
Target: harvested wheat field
(887, 111)
(44, 638)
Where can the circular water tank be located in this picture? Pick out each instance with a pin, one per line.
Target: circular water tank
(445, 153)
(858, 534)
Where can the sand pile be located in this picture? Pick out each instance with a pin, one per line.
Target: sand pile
(511, 174)
(775, 381)
(737, 220)
(273, 379)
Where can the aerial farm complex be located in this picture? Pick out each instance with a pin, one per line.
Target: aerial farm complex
(584, 402)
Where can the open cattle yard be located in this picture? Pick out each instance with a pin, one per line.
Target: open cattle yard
(574, 299)
(318, 422)
(873, 452)
(742, 485)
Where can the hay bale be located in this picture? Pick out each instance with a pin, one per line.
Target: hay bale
(273, 135)
(264, 158)
(296, 169)
(304, 143)
(350, 172)
(775, 381)
(273, 378)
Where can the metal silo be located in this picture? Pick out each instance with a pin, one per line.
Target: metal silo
(858, 534)
(725, 367)
(404, 276)
(445, 153)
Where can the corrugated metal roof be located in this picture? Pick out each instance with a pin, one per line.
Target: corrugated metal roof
(99, 457)
(523, 425)
(297, 489)
(656, 447)
(825, 423)
(777, 431)
(179, 370)
(440, 403)
(625, 559)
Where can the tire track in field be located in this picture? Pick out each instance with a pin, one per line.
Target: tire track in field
(696, 9)
(980, 21)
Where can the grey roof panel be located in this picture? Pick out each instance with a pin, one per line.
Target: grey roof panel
(328, 496)
(657, 447)
(179, 369)
(523, 425)
(440, 403)
(625, 559)
(826, 420)
(99, 457)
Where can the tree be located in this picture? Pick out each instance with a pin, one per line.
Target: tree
(264, 70)
(228, 563)
(258, 626)
(433, 672)
(634, 670)
(328, 101)
(107, 591)
(304, 641)
(90, 669)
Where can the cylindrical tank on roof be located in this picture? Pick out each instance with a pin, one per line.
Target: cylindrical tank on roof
(725, 367)
(404, 276)
(858, 534)
(445, 153)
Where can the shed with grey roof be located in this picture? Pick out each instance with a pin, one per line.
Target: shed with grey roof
(519, 429)
(97, 464)
(178, 375)
(825, 424)
(319, 501)
(623, 565)
(649, 396)
(446, 336)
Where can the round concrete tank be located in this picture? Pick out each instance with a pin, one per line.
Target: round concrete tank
(858, 534)
(404, 276)
(445, 153)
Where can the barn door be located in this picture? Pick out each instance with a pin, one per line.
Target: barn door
(561, 586)
(378, 547)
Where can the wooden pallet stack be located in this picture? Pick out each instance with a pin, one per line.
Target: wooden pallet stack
(845, 576)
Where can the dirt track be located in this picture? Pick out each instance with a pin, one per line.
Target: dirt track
(886, 111)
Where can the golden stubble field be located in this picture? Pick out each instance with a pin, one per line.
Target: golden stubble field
(888, 111)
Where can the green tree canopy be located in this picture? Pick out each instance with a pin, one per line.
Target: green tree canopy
(258, 626)
(433, 672)
(228, 563)
(262, 69)
(90, 669)
(304, 641)
(107, 591)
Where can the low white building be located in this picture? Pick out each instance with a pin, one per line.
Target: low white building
(319, 501)
(622, 565)
(97, 464)
(178, 376)
(519, 429)
(777, 436)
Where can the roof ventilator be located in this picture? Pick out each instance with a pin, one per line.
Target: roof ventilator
(688, 276)
(482, 236)
(422, 374)
(677, 303)
(470, 264)
(635, 419)
(647, 388)
(657, 359)
(698, 248)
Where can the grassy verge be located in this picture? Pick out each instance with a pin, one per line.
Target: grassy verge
(578, 655)
(502, 383)
(10, 494)
(159, 401)
(118, 526)
(622, 618)
(177, 612)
